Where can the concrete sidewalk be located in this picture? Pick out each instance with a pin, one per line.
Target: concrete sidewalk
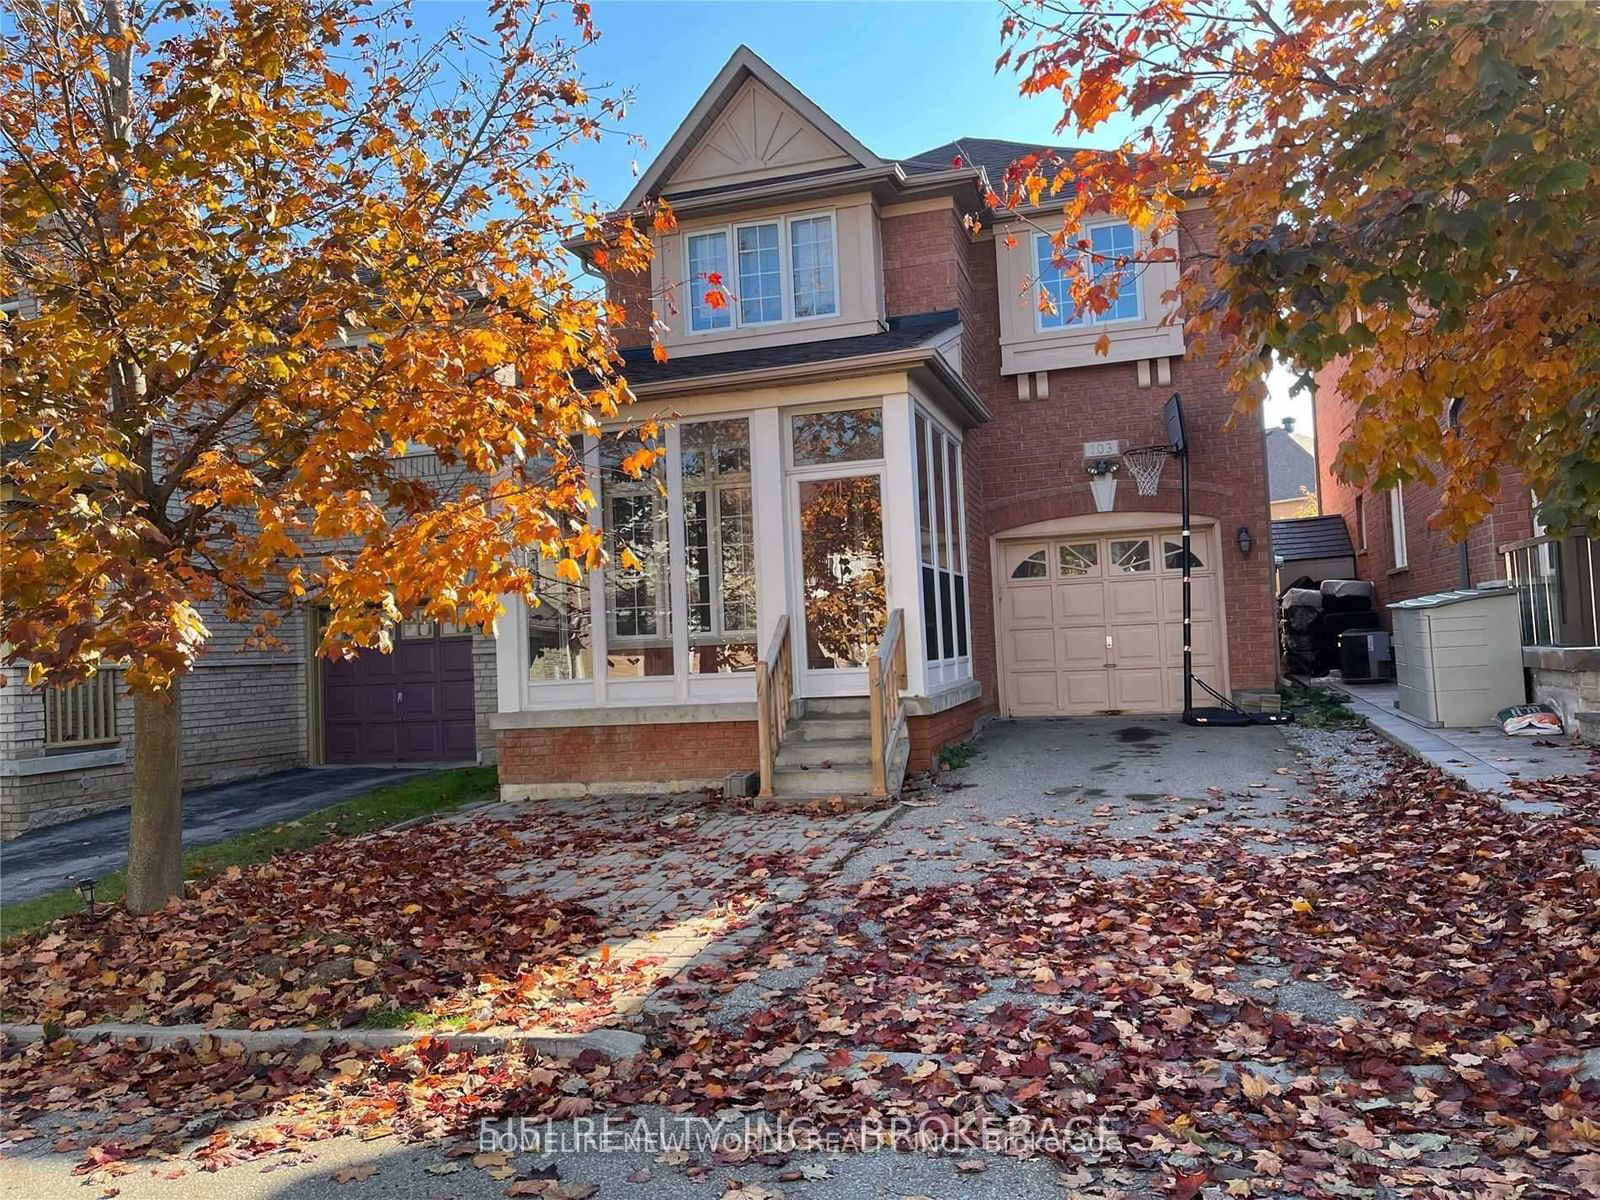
(59, 855)
(1483, 758)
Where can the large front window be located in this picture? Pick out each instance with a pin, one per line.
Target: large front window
(638, 588)
(719, 546)
(943, 548)
(784, 270)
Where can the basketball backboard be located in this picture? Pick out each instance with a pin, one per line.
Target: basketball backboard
(1176, 437)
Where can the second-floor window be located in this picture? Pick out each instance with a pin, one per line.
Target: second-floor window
(1111, 249)
(770, 271)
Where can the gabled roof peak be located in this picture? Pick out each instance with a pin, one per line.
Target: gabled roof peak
(743, 66)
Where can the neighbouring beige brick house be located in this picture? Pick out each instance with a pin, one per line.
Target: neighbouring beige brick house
(65, 753)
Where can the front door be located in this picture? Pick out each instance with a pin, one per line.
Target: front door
(843, 602)
(413, 704)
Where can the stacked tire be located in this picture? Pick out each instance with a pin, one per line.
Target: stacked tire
(1300, 627)
(1312, 616)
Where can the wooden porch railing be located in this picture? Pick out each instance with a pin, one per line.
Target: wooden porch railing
(774, 698)
(886, 679)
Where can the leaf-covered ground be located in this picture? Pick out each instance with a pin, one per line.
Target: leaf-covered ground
(447, 921)
(1300, 988)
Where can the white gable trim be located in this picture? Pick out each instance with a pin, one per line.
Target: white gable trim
(745, 64)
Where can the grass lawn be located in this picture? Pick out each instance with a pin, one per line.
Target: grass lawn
(423, 797)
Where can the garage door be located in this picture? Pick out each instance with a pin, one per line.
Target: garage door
(411, 705)
(1092, 624)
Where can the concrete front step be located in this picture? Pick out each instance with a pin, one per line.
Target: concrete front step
(826, 729)
(832, 781)
(816, 752)
(859, 707)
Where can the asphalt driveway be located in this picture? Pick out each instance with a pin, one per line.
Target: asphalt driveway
(59, 855)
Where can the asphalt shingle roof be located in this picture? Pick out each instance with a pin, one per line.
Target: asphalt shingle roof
(992, 155)
(1311, 537)
(1290, 466)
(903, 333)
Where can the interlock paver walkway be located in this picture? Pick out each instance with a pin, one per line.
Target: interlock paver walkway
(678, 881)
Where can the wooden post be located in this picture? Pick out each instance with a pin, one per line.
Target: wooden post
(880, 782)
(764, 724)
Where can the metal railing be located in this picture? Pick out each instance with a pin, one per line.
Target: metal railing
(84, 714)
(1558, 585)
(886, 679)
(774, 698)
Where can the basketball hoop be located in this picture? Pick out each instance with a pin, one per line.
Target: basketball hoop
(1145, 464)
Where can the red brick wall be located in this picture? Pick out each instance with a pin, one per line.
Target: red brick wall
(933, 733)
(631, 290)
(1433, 558)
(1026, 465)
(618, 753)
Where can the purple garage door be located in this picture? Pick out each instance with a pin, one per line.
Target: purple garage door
(413, 705)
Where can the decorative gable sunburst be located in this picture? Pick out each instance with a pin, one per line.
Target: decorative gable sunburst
(750, 124)
(757, 136)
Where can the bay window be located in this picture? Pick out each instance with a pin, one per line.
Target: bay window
(783, 270)
(719, 546)
(638, 594)
(1109, 257)
(942, 543)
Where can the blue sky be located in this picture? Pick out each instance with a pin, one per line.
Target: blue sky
(901, 75)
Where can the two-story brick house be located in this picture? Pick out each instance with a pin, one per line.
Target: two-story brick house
(878, 420)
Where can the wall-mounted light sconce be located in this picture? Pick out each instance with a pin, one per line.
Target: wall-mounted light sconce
(1244, 539)
(1102, 483)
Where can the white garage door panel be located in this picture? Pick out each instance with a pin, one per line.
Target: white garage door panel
(1086, 691)
(1083, 648)
(1033, 693)
(1139, 690)
(1136, 646)
(1081, 602)
(1203, 600)
(1133, 600)
(1063, 598)
(1204, 642)
(1030, 606)
(1032, 648)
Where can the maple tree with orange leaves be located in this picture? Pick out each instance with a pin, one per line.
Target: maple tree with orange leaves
(263, 251)
(1409, 192)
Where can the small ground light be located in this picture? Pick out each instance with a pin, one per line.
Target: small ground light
(86, 889)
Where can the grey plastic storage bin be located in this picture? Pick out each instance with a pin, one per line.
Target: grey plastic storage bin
(1458, 656)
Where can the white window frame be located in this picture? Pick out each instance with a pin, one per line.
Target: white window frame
(714, 490)
(730, 231)
(785, 284)
(1397, 525)
(731, 257)
(939, 436)
(1087, 318)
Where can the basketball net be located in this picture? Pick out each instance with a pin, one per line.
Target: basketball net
(1145, 464)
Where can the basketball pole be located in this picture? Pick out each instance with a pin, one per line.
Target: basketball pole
(1188, 583)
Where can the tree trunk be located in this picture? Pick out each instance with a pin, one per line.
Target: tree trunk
(155, 836)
